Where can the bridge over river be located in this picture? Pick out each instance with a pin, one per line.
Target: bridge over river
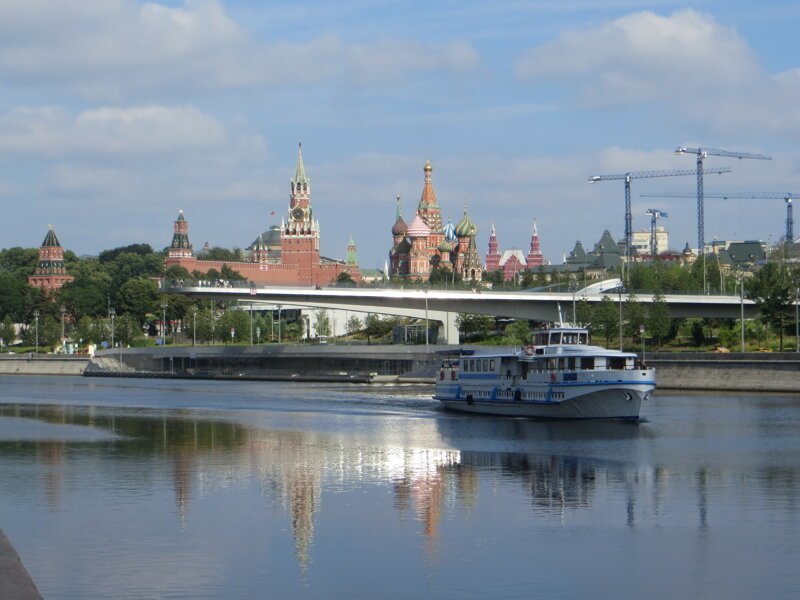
(444, 305)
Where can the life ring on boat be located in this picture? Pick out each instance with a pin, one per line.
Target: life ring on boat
(453, 375)
(441, 375)
(529, 350)
(553, 377)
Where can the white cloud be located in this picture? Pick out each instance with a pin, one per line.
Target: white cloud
(687, 64)
(116, 48)
(146, 130)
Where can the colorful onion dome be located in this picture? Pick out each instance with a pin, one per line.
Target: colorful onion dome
(450, 231)
(399, 227)
(418, 228)
(465, 227)
(445, 247)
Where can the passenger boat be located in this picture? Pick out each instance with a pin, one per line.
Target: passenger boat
(559, 376)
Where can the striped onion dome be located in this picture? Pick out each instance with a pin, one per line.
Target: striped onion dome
(465, 227)
(445, 247)
(418, 228)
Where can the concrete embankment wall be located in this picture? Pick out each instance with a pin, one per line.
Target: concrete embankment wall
(28, 364)
(15, 583)
(756, 372)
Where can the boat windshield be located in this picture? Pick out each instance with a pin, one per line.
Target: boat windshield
(574, 337)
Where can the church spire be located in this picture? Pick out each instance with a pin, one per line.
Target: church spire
(300, 170)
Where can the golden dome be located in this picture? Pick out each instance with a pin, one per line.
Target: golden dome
(428, 167)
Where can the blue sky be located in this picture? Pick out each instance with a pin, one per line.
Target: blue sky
(114, 115)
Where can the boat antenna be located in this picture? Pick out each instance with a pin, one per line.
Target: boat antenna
(560, 318)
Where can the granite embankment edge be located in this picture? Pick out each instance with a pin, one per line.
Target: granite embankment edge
(750, 372)
(15, 582)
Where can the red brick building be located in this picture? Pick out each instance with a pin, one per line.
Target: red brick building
(290, 254)
(51, 273)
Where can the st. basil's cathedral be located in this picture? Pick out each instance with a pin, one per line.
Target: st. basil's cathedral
(424, 244)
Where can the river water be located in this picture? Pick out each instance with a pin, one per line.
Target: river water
(114, 488)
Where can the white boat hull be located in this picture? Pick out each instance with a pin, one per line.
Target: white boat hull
(619, 400)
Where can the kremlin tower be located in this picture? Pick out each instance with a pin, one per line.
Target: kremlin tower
(492, 256)
(535, 257)
(51, 273)
(288, 254)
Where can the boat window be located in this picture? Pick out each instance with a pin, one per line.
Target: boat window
(562, 363)
(551, 363)
(491, 365)
(540, 339)
(571, 363)
(485, 365)
(583, 339)
(569, 338)
(587, 362)
(555, 337)
(616, 363)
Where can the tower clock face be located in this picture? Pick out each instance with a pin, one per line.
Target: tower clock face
(298, 213)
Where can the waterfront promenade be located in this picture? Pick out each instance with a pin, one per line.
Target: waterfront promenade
(750, 371)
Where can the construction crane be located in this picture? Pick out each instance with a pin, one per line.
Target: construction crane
(627, 177)
(787, 197)
(702, 153)
(654, 214)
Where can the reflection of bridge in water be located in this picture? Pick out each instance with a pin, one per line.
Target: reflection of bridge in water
(445, 305)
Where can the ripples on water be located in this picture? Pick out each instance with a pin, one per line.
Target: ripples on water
(115, 488)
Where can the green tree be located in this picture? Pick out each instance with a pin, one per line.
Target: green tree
(518, 333)
(344, 279)
(323, 321)
(474, 326)
(126, 329)
(606, 319)
(19, 262)
(353, 325)
(378, 327)
(584, 313)
(634, 316)
(770, 289)
(231, 275)
(8, 332)
(658, 319)
(138, 297)
(15, 294)
(205, 325)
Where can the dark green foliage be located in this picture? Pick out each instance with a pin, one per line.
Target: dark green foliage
(606, 319)
(107, 256)
(230, 275)
(19, 262)
(518, 333)
(772, 291)
(475, 327)
(698, 333)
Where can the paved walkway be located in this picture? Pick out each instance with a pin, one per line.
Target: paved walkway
(15, 583)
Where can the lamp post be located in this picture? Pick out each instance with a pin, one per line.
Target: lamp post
(113, 316)
(741, 305)
(620, 316)
(426, 318)
(641, 330)
(36, 314)
(572, 286)
(62, 310)
(796, 322)
(251, 323)
(164, 324)
(194, 326)
(279, 323)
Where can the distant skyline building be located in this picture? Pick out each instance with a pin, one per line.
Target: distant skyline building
(285, 255)
(641, 240)
(51, 272)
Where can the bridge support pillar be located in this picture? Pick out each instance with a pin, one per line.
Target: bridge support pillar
(448, 333)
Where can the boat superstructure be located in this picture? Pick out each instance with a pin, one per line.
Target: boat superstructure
(560, 375)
